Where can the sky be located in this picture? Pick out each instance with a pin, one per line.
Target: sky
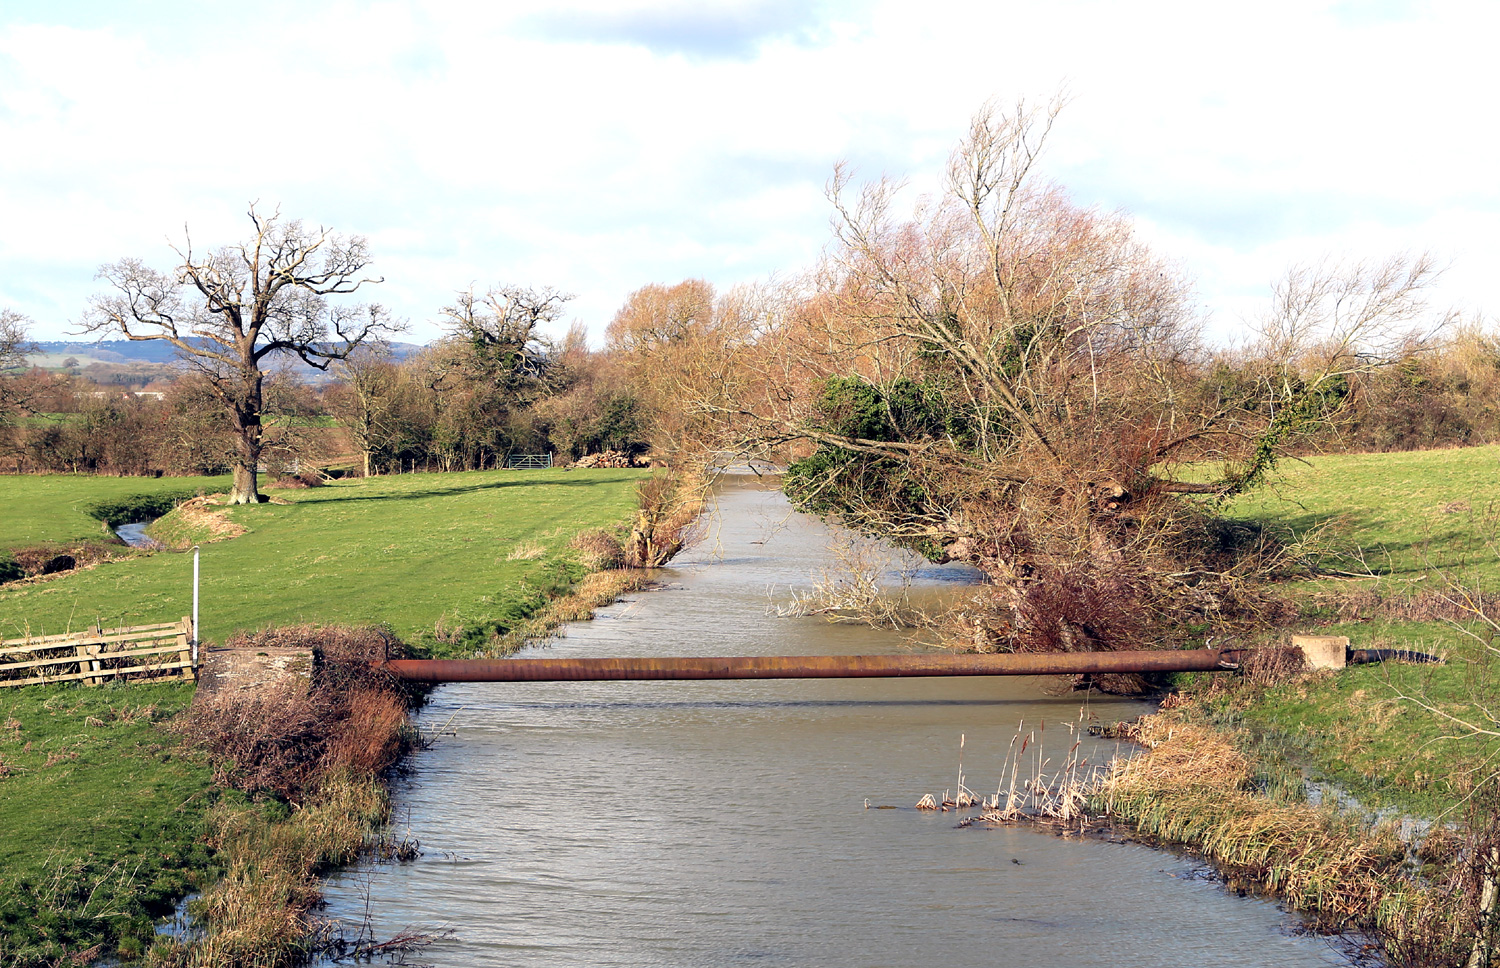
(600, 146)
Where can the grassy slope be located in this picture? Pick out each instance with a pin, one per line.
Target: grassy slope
(119, 822)
(1409, 512)
(48, 507)
(99, 818)
(409, 550)
(1419, 517)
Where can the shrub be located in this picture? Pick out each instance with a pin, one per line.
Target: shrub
(598, 550)
(285, 741)
(669, 520)
(134, 508)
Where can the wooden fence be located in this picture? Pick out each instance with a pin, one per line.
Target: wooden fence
(98, 655)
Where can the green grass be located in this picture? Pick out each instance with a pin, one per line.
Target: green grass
(99, 817)
(1408, 513)
(1420, 520)
(38, 508)
(425, 553)
(1351, 728)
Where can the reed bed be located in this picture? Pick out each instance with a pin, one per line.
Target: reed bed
(1193, 787)
(1431, 903)
(1027, 792)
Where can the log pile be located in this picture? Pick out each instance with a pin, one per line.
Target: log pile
(610, 458)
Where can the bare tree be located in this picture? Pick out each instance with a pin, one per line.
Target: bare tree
(687, 351)
(502, 329)
(14, 348)
(366, 402)
(1012, 380)
(14, 344)
(228, 310)
(1327, 324)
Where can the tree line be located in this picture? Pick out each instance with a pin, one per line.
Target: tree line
(994, 375)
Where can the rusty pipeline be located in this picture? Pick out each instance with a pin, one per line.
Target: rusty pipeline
(805, 667)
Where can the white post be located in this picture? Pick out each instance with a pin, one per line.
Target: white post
(195, 606)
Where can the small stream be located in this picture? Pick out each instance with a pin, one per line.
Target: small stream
(726, 823)
(135, 535)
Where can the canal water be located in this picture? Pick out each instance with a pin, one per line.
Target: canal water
(736, 823)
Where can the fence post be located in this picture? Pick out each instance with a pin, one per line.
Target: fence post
(191, 672)
(194, 627)
(86, 661)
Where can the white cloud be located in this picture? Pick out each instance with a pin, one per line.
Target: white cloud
(599, 147)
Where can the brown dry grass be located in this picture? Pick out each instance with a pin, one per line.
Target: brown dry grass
(1193, 787)
(598, 549)
(299, 481)
(527, 551)
(594, 591)
(1438, 605)
(203, 513)
(1196, 787)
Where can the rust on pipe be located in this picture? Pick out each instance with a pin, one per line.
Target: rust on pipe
(803, 667)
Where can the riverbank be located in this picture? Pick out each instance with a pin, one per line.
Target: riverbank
(1415, 887)
(54, 523)
(448, 561)
(1251, 772)
(191, 807)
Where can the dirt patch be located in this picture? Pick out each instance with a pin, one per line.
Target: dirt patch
(203, 512)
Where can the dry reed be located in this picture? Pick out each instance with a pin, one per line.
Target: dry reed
(527, 551)
(1193, 787)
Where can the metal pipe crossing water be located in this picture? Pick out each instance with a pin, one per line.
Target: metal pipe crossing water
(808, 667)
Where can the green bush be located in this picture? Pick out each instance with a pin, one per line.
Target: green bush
(134, 508)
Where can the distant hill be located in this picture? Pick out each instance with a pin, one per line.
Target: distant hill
(55, 353)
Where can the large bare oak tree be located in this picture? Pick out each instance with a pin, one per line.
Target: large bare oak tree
(230, 310)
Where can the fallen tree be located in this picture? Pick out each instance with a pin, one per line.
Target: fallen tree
(1010, 380)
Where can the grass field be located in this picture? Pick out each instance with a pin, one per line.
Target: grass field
(99, 818)
(1420, 521)
(37, 508)
(435, 556)
(1406, 513)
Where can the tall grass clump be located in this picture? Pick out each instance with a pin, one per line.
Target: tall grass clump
(1431, 902)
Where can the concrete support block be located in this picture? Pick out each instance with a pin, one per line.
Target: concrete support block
(1323, 651)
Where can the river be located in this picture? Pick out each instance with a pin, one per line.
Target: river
(726, 823)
